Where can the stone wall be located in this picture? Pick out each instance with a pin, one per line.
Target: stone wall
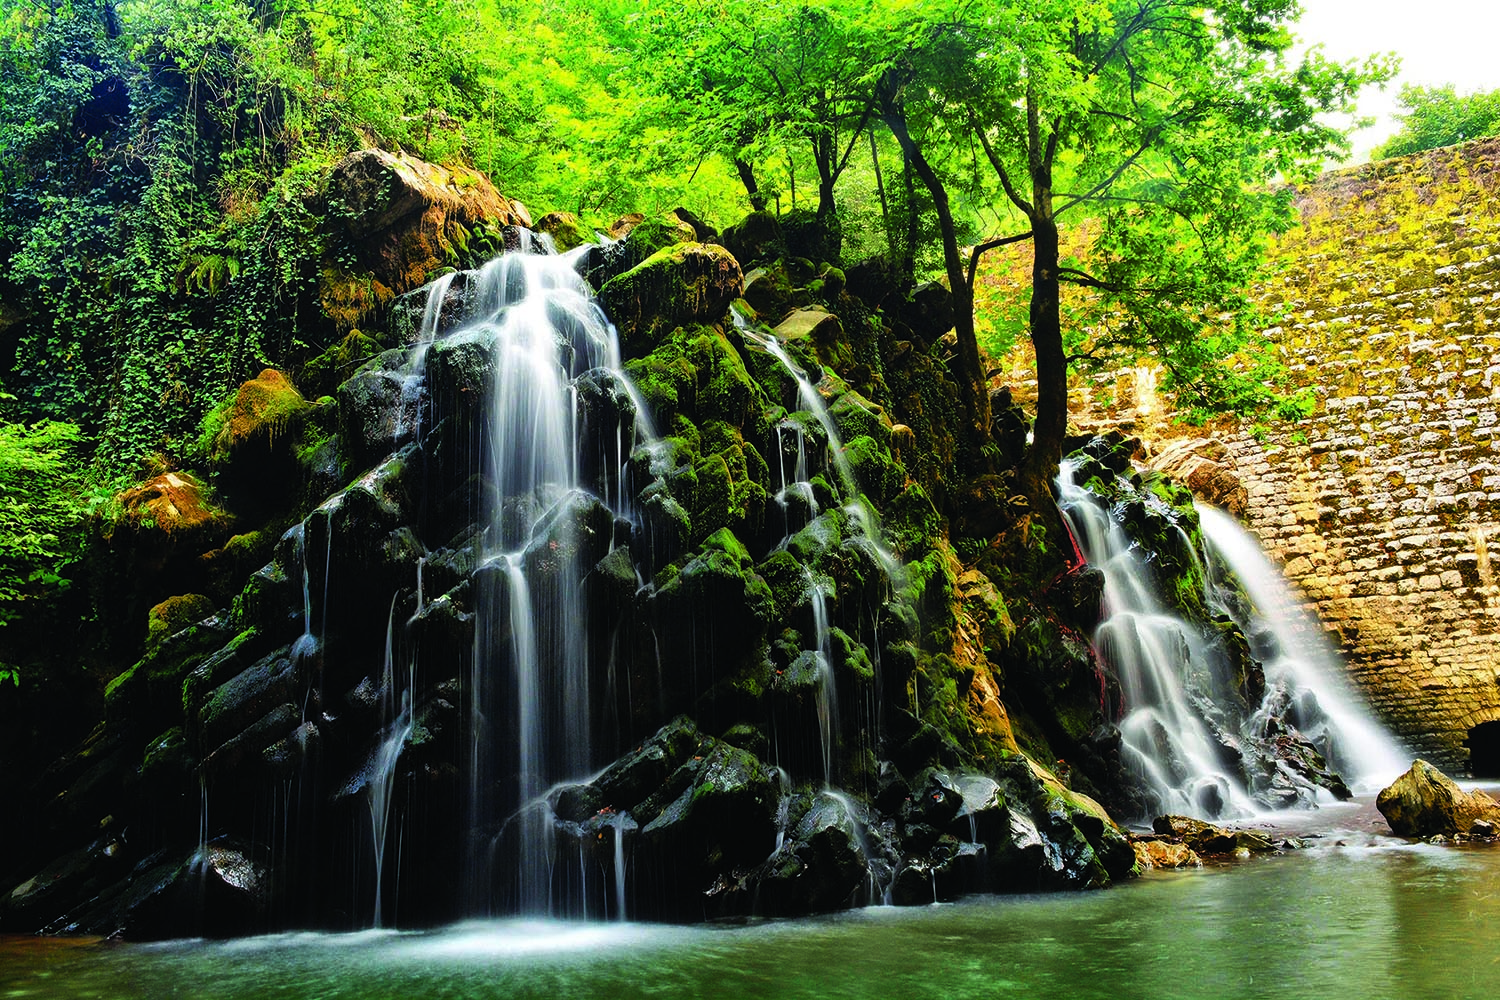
(1384, 506)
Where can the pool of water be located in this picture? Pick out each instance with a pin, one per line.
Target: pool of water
(1355, 915)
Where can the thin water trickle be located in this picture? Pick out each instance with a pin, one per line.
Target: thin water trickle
(382, 767)
(828, 701)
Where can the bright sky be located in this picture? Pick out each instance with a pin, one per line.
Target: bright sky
(1439, 41)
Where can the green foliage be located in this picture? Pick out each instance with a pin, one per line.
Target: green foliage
(39, 513)
(1439, 116)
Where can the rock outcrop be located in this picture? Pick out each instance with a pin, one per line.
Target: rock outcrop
(1424, 802)
(404, 219)
(791, 679)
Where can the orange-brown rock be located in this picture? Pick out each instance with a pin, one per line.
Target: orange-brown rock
(174, 504)
(406, 218)
(1165, 854)
(1200, 464)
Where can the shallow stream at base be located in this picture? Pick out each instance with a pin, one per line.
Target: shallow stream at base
(1356, 914)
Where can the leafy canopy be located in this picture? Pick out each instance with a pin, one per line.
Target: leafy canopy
(1439, 116)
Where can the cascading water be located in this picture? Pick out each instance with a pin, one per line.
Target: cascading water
(529, 687)
(1189, 734)
(1165, 669)
(1297, 656)
(796, 496)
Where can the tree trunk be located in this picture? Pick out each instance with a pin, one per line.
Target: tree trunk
(975, 389)
(825, 155)
(885, 206)
(1051, 425)
(747, 178)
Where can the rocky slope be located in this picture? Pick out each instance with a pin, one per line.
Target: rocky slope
(827, 651)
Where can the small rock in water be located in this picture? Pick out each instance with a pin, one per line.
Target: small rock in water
(1205, 838)
(1165, 854)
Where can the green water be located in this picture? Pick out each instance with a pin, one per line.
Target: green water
(1387, 921)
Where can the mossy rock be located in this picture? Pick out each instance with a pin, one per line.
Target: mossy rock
(875, 471)
(565, 229)
(176, 508)
(681, 284)
(755, 238)
(322, 375)
(695, 372)
(175, 614)
(262, 410)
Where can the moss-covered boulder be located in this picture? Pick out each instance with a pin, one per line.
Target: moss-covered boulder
(165, 516)
(695, 372)
(678, 285)
(175, 614)
(261, 414)
(754, 239)
(565, 229)
(321, 375)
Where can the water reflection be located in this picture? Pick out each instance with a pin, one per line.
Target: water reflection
(1383, 920)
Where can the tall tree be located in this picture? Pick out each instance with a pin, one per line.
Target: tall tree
(761, 80)
(1161, 123)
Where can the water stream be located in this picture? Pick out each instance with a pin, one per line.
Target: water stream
(1187, 732)
(1297, 656)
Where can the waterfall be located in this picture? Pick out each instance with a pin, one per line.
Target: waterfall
(1297, 656)
(1165, 737)
(1189, 735)
(530, 683)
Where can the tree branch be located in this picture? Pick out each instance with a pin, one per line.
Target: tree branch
(994, 158)
(1130, 161)
(993, 244)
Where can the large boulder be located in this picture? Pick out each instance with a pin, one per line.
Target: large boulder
(405, 219)
(1202, 465)
(678, 285)
(1424, 802)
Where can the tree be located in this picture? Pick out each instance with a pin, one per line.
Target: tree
(1163, 123)
(760, 80)
(1439, 116)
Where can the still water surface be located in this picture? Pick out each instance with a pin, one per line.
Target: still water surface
(1373, 918)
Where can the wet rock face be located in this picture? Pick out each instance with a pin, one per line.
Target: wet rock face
(734, 570)
(1424, 802)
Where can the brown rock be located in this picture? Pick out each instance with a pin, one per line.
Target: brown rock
(1425, 802)
(1165, 854)
(172, 505)
(406, 218)
(621, 227)
(1205, 838)
(1200, 465)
